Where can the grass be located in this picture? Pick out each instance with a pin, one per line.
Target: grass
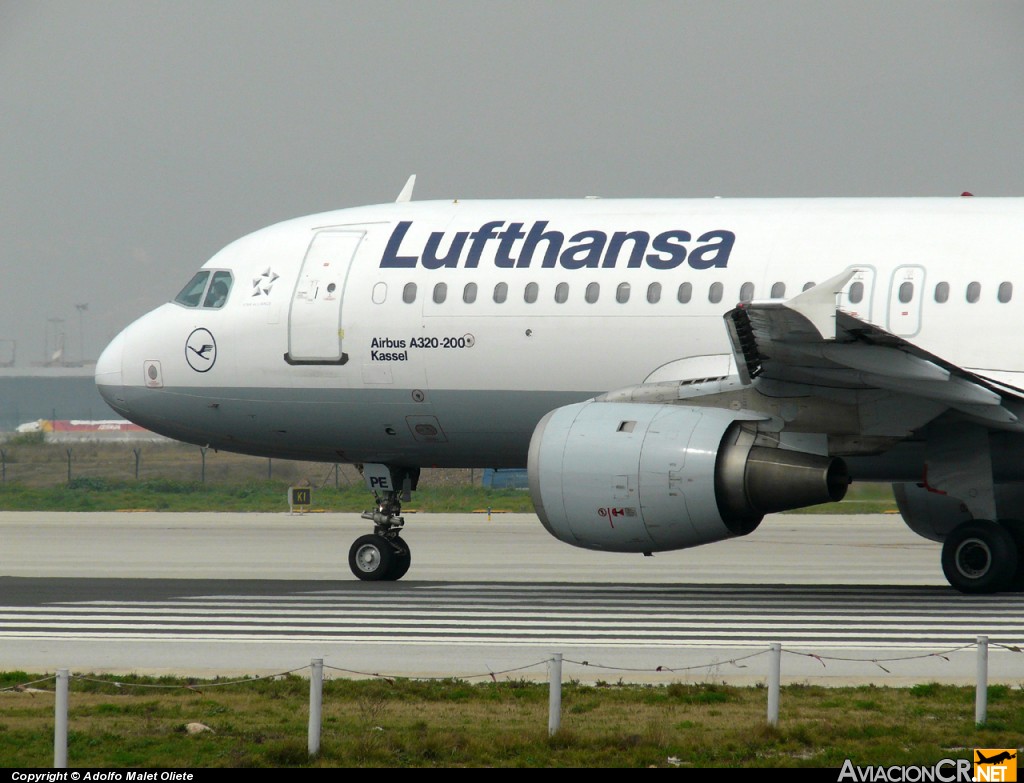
(166, 495)
(860, 499)
(171, 478)
(376, 723)
(407, 723)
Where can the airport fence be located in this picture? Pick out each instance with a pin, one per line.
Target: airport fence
(772, 681)
(30, 461)
(49, 464)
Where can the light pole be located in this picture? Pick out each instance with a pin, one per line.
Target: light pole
(81, 308)
(57, 354)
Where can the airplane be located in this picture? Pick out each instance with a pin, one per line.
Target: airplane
(669, 371)
(1003, 756)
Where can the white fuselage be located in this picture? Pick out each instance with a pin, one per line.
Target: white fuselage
(439, 333)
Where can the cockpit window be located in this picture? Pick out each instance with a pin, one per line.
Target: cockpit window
(216, 288)
(219, 287)
(192, 294)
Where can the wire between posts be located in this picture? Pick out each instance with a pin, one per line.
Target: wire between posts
(732, 661)
(393, 677)
(879, 661)
(187, 686)
(493, 675)
(22, 685)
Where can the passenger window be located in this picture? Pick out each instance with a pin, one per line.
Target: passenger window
(380, 293)
(715, 293)
(973, 292)
(685, 292)
(654, 293)
(440, 293)
(500, 293)
(1005, 292)
(218, 292)
(807, 286)
(562, 293)
(530, 293)
(778, 291)
(192, 293)
(622, 293)
(409, 293)
(746, 292)
(906, 293)
(856, 293)
(469, 293)
(942, 293)
(593, 292)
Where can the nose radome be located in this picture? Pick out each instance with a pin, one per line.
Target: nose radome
(110, 375)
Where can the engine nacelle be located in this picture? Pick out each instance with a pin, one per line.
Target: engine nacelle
(631, 477)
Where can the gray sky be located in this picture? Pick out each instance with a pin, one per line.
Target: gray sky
(137, 138)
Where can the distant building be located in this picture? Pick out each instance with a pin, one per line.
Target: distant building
(505, 478)
(32, 393)
(80, 430)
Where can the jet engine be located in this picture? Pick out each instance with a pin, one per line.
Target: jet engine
(633, 477)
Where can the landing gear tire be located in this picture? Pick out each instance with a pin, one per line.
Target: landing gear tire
(372, 558)
(980, 557)
(402, 559)
(1016, 528)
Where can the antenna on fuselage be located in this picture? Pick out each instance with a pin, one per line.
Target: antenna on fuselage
(406, 194)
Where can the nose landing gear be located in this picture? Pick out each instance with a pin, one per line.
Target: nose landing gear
(384, 555)
(375, 558)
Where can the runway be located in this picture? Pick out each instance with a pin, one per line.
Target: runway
(850, 599)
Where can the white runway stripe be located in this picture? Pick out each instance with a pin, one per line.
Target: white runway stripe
(528, 614)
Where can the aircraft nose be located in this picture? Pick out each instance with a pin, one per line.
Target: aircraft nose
(110, 374)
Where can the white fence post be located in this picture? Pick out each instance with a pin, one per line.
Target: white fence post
(316, 700)
(555, 695)
(981, 687)
(774, 682)
(60, 721)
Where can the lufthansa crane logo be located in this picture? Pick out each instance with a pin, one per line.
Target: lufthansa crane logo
(200, 350)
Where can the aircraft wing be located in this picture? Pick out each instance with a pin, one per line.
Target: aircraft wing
(808, 340)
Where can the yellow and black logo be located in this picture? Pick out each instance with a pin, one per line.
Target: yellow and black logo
(995, 764)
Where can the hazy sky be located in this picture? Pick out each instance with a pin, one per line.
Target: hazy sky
(137, 138)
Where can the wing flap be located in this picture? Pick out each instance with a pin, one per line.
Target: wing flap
(809, 340)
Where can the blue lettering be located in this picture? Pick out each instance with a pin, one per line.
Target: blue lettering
(590, 249)
(718, 251)
(503, 259)
(636, 255)
(480, 237)
(451, 261)
(676, 250)
(538, 234)
(391, 259)
(587, 254)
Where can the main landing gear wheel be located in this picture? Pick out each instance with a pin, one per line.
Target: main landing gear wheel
(1016, 528)
(980, 557)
